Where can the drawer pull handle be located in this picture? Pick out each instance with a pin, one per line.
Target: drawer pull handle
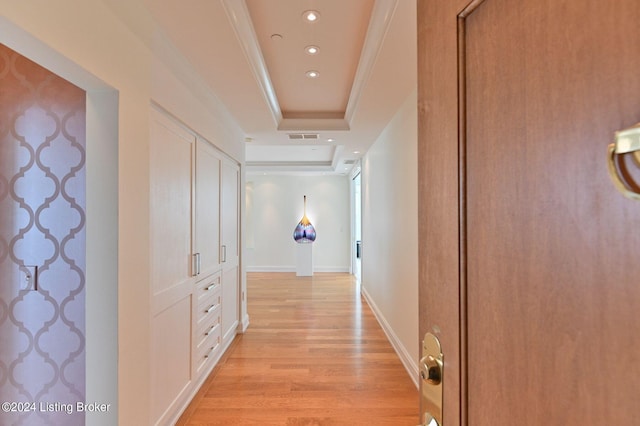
(213, 348)
(211, 308)
(210, 329)
(212, 286)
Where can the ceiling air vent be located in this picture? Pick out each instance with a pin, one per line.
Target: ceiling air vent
(349, 161)
(302, 136)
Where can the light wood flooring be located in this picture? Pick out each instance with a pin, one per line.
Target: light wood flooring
(313, 354)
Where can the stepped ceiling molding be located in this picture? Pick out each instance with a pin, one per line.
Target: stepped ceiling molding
(253, 55)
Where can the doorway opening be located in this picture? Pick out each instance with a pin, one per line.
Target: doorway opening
(101, 226)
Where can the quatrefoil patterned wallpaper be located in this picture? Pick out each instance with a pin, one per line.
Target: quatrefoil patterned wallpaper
(42, 223)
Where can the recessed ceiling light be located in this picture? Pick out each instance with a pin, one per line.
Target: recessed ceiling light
(356, 152)
(330, 140)
(312, 50)
(312, 74)
(311, 16)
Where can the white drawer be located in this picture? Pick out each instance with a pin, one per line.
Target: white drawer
(210, 326)
(207, 288)
(208, 349)
(208, 309)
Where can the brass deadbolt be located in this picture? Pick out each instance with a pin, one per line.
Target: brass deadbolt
(431, 370)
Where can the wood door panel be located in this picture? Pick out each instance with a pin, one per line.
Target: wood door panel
(552, 270)
(438, 198)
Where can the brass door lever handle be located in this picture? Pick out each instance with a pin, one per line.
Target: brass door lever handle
(627, 141)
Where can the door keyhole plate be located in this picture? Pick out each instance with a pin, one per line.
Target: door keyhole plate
(431, 380)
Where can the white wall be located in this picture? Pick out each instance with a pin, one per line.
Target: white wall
(274, 208)
(118, 64)
(389, 232)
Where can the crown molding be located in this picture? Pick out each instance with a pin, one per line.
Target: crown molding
(381, 17)
(241, 22)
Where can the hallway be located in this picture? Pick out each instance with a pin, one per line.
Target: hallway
(314, 354)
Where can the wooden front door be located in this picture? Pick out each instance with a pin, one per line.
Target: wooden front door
(530, 273)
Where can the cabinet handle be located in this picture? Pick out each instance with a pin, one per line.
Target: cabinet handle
(224, 253)
(210, 329)
(213, 348)
(196, 264)
(211, 287)
(211, 308)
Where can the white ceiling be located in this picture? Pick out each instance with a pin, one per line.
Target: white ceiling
(251, 54)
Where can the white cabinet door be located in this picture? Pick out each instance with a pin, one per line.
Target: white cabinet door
(207, 202)
(230, 248)
(172, 165)
(230, 303)
(171, 158)
(229, 213)
(194, 233)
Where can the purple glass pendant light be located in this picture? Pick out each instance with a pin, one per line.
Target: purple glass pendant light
(304, 232)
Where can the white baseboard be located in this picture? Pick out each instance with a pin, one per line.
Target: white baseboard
(195, 387)
(340, 269)
(245, 323)
(405, 357)
(271, 268)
